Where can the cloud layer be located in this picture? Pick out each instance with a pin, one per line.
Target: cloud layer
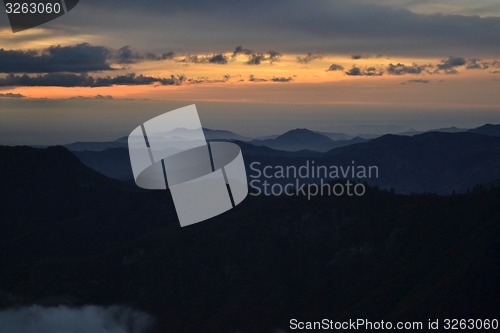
(354, 26)
(78, 58)
(85, 80)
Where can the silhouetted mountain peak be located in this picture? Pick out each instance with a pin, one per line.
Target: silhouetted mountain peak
(303, 134)
(488, 129)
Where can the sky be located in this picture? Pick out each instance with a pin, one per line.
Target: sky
(257, 68)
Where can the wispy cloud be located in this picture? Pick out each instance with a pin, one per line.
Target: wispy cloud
(11, 95)
(416, 81)
(282, 79)
(309, 57)
(127, 55)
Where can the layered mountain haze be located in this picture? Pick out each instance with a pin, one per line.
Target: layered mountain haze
(435, 162)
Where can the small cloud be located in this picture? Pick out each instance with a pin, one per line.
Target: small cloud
(335, 67)
(96, 97)
(256, 58)
(402, 69)
(367, 71)
(12, 95)
(477, 64)
(216, 58)
(309, 57)
(416, 82)
(168, 55)
(354, 71)
(240, 50)
(200, 80)
(281, 79)
(365, 56)
(449, 65)
(252, 78)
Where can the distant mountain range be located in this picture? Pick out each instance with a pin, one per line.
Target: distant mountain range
(293, 140)
(488, 129)
(434, 162)
(69, 235)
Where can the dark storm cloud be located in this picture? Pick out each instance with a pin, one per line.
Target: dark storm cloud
(11, 95)
(309, 57)
(84, 80)
(335, 67)
(367, 71)
(402, 69)
(77, 59)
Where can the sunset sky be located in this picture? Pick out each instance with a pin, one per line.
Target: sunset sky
(257, 68)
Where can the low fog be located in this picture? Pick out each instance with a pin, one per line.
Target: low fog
(63, 319)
